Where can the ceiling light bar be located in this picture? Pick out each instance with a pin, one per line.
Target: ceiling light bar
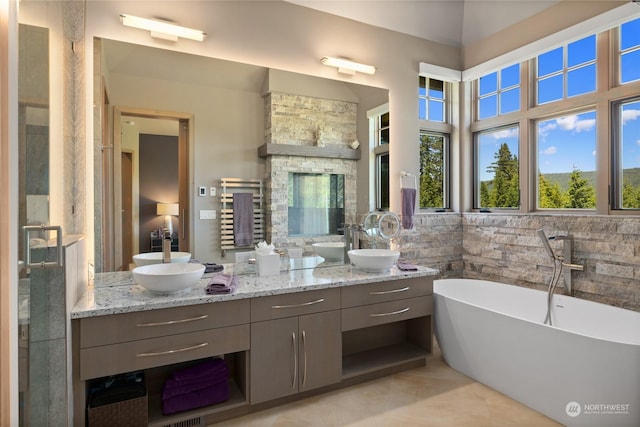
(161, 29)
(348, 67)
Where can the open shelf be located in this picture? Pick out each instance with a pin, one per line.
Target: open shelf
(380, 358)
(330, 151)
(157, 419)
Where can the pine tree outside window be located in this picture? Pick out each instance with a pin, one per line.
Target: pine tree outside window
(434, 162)
(497, 174)
(567, 162)
(626, 159)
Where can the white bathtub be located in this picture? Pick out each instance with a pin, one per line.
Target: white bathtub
(583, 371)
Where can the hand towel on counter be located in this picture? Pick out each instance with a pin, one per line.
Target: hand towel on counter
(222, 284)
(243, 219)
(406, 266)
(209, 267)
(408, 207)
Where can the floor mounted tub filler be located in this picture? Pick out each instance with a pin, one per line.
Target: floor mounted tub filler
(582, 371)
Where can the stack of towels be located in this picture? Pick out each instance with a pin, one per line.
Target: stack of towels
(196, 386)
(222, 283)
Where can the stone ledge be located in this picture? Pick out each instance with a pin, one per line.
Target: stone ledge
(332, 152)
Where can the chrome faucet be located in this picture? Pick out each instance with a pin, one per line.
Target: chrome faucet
(166, 245)
(351, 239)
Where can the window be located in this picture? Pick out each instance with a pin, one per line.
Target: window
(498, 172)
(626, 162)
(567, 71)
(379, 131)
(434, 148)
(315, 204)
(499, 92)
(431, 99)
(567, 162)
(629, 51)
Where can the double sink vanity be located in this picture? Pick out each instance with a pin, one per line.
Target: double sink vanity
(315, 328)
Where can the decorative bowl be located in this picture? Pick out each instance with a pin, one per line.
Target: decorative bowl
(167, 278)
(373, 260)
(330, 251)
(156, 258)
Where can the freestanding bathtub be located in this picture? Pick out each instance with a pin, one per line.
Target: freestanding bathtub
(582, 371)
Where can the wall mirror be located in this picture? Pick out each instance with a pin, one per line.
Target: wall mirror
(221, 104)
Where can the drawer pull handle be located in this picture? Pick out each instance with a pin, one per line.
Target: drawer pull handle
(299, 305)
(404, 310)
(393, 291)
(172, 322)
(162, 353)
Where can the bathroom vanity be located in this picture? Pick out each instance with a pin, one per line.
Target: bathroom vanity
(283, 337)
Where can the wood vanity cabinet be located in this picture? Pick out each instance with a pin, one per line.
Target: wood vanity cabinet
(158, 342)
(385, 325)
(295, 343)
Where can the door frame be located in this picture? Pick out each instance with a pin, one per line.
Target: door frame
(185, 144)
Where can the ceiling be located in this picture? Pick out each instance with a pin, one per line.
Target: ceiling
(452, 22)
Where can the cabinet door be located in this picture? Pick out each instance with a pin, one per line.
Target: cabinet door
(320, 350)
(274, 359)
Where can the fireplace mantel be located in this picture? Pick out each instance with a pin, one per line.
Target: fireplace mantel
(332, 152)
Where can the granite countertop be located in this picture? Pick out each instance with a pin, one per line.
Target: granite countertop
(117, 292)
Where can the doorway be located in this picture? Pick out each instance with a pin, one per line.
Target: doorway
(123, 243)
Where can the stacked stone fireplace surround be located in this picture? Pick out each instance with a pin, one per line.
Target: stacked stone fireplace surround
(491, 246)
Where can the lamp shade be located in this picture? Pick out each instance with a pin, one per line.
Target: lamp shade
(167, 209)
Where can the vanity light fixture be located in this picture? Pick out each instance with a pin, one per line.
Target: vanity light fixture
(162, 29)
(346, 66)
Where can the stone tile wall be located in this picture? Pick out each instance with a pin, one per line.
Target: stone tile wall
(505, 248)
(295, 120)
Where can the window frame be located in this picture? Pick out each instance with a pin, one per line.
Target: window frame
(446, 174)
(616, 175)
(378, 151)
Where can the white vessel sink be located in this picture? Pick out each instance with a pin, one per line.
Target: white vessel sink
(167, 278)
(330, 251)
(373, 260)
(156, 258)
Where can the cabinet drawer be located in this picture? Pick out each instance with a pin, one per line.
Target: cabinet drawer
(103, 330)
(386, 312)
(294, 304)
(130, 356)
(372, 293)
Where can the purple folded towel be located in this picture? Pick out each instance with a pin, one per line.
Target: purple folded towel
(196, 372)
(209, 267)
(197, 399)
(174, 388)
(222, 284)
(406, 266)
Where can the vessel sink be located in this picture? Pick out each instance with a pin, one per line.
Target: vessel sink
(167, 278)
(156, 258)
(373, 260)
(330, 251)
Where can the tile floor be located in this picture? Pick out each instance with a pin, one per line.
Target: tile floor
(434, 395)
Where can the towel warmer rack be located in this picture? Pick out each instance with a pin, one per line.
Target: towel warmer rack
(235, 185)
(405, 174)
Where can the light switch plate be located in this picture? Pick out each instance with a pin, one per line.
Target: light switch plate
(202, 191)
(212, 191)
(207, 214)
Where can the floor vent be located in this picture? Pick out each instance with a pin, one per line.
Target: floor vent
(193, 422)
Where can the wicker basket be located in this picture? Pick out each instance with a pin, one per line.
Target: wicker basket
(127, 413)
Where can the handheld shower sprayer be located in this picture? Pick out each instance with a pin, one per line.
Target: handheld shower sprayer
(545, 243)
